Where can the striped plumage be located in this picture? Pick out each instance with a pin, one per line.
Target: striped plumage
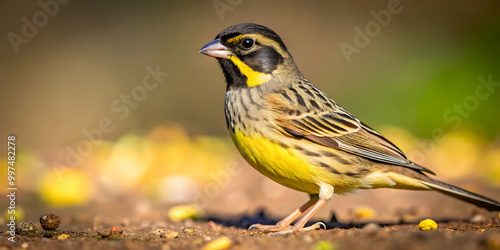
(294, 134)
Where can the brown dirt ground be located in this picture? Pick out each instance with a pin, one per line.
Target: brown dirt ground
(251, 198)
(145, 232)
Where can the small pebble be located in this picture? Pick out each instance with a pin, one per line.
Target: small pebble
(27, 228)
(371, 227)
(427, 225)
(220, 243)
(188, 230)
(159, 231)
(169, 234)
(50, 221)
(213, 226)
(478, 219)
(116, 231)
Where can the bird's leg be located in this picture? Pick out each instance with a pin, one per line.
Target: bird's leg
(285, 223)
(299, 226)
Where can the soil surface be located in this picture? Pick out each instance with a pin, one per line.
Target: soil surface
(145, 232)
(371, 219)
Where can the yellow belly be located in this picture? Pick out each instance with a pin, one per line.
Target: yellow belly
(280, 164)
(290, 168)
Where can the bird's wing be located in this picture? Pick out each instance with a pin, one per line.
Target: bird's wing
(332, 126)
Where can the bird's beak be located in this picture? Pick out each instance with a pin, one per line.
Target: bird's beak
(215, 49)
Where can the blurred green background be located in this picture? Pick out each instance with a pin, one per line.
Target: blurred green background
(406, 82)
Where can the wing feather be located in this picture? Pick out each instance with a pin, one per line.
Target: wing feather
(332, 126)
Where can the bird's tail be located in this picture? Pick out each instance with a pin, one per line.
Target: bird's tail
(463, 195)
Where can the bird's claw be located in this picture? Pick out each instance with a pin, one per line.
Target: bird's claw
(281, 230)
(268, 228)
(294, 229)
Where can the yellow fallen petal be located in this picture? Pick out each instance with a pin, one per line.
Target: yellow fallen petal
(66, 187)
(17, 213)
(220, 243)
(62, 236)
(324, 245)
(427, 225)
(184, 212)
(364, 212)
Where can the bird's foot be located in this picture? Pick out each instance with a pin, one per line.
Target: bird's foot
(268, 228)
(281, 230)
(294, 229)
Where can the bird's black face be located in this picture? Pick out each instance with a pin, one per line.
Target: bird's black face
(248, 53)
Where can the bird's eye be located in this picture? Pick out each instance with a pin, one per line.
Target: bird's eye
(247, 43)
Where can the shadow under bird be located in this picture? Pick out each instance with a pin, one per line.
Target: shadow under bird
(293, 133)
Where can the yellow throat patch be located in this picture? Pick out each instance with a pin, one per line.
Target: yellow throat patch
(254, 78)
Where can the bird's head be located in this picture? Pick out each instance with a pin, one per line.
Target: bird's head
(250, 55)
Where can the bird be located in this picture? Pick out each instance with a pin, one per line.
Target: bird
(293, 133)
